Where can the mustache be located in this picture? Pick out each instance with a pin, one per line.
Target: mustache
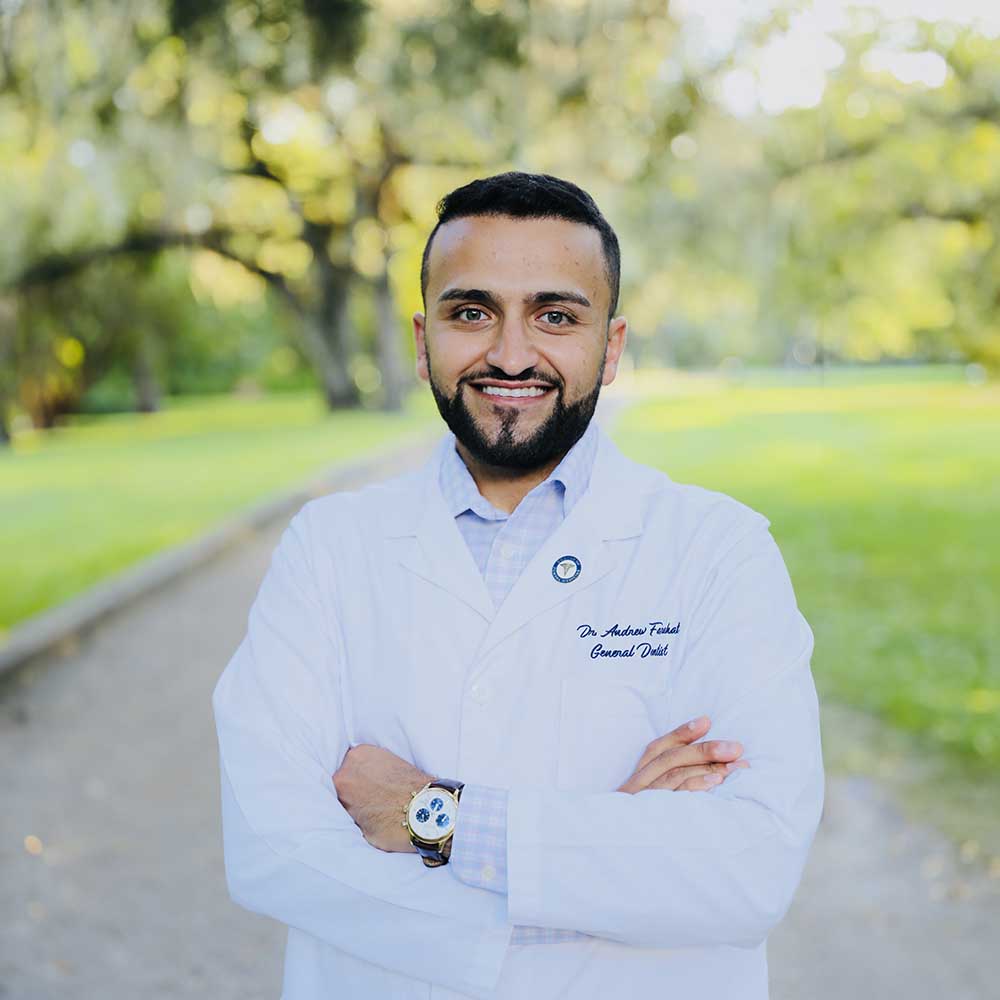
(526, 376)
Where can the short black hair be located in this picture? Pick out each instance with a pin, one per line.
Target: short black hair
(529, 196)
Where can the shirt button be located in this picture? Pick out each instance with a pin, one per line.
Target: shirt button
(507, 551)
(488, 873)
(480, 692)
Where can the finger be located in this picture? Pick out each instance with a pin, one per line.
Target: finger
(677, 777)
(689, 756)
(682, 735)
(702, 783)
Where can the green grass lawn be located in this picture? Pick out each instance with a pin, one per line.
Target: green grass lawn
(81, 502)
(884, 497)
(883, 493)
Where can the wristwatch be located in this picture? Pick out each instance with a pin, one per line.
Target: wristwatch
(430, 819)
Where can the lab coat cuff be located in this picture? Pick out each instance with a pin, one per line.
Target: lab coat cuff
(479, 845)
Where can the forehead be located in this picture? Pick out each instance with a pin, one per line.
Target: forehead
(511, 256)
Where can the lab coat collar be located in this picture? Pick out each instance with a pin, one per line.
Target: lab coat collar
(431, 545)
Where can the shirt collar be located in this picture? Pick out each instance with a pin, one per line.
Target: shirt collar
(571, 476)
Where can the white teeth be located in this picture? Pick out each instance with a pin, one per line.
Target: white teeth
(495, 390)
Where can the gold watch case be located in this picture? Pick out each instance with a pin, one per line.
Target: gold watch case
(421, 834)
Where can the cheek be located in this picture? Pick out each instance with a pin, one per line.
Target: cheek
(577, 364)
(452, 354)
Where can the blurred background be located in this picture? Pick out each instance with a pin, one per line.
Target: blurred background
(213, 214)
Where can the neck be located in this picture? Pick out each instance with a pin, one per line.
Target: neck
(505, 488)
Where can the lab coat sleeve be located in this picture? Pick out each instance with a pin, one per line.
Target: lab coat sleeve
(292, 852)
(664, 868)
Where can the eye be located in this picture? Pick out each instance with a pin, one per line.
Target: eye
(468, 309)
(558, 312)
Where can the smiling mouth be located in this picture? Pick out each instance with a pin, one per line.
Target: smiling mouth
(496, 390)
(520, 396)
(512, 394)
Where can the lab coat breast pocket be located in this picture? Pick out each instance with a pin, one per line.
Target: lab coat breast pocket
(608, 715)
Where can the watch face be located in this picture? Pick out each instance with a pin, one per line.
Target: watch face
(432, 814)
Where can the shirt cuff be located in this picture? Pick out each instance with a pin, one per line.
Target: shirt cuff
(479, 843)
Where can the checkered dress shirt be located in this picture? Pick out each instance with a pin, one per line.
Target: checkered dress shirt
(502, 545)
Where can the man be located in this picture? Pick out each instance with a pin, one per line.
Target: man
(455, 739)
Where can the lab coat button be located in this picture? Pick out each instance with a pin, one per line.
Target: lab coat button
(480, 692)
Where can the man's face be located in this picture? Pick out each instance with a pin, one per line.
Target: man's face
(517, 305)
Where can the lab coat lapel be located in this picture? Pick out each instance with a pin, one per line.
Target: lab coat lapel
(428, 542)
(608, 511)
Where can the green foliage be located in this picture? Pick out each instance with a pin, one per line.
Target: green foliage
(186, 15)
(337, 29)
(305, 144)
(455, 48)
(334, 28)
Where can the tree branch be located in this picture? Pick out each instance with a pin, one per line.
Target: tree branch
(57, 267)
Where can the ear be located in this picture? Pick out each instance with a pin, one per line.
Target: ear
(617, 333)
(421, 345)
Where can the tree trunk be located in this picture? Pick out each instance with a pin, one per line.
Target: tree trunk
(338, 336)
(327, 331)
(8, 317)
(144, 378)
(388, 342)
(334, 380)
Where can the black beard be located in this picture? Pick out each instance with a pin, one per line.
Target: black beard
(563, 428)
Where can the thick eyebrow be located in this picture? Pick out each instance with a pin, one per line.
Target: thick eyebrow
(489, 299)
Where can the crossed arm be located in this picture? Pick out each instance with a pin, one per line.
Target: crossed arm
(374, 785)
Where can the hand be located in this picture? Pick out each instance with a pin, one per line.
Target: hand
(374, 786)
(668, 762)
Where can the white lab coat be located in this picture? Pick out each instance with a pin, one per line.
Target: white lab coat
(374, 625)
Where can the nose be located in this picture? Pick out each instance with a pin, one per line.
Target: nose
(512, 349)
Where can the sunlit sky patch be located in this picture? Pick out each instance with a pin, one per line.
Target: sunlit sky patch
(790, 71)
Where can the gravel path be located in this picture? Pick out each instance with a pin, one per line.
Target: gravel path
(111, 858)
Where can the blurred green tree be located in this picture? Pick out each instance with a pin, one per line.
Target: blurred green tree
(293, 151)
(868, 222)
